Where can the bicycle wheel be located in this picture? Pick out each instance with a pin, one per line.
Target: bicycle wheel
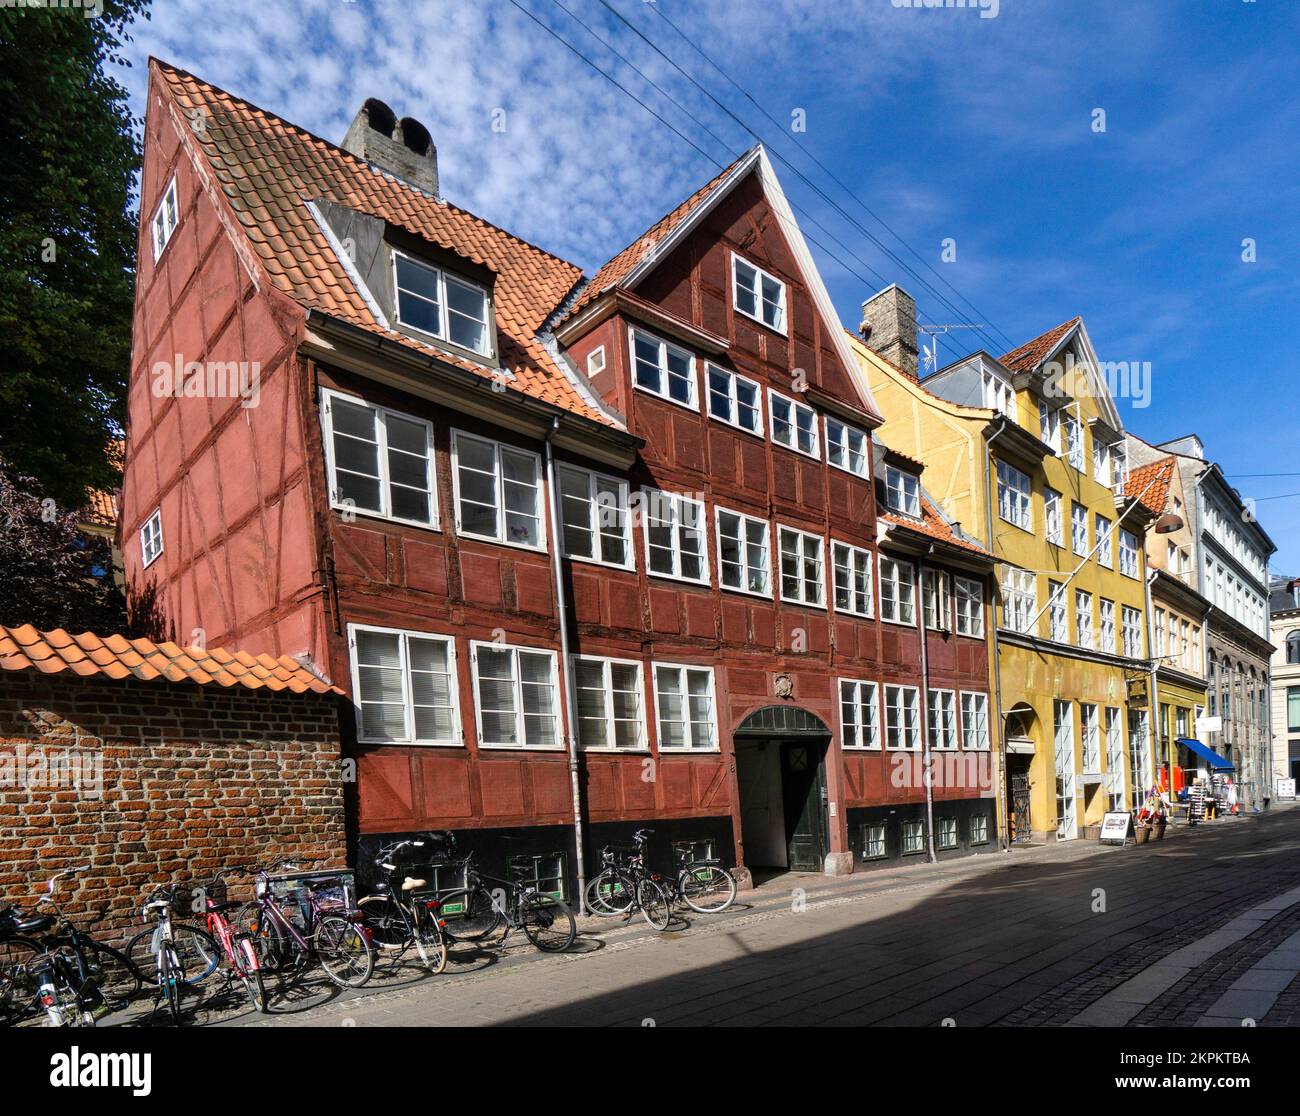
(195, 948)
(472, 915)
(548, 923)
(17, 983)
(343, 952)
(116, 976)
(277, 949)
(707, 888)
(432, 942)
(610, 893)
(250, 972)
(654, 905)
(388, 932)
(171, 977)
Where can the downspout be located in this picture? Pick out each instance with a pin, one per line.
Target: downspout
(562, 611)
(927, 773)
(1153, 702)
(997, 653)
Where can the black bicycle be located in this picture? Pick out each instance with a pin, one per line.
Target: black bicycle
(399, 918)
(701, 883)
(626, 885)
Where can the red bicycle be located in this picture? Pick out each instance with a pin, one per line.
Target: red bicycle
(242, 962)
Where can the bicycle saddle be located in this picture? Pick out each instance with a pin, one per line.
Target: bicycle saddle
(410, 884)
(217, 908)
(32, 924)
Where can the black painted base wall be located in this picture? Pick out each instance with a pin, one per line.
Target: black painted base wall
(893, 818)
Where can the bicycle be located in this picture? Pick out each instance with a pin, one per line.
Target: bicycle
(548, 922)
(626, 885)
(396, 925)
(702, 884)
(237, 945)
(323, 930)
(170, 967)
(194, 948)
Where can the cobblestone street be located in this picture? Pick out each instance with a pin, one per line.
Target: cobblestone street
(1202, 929)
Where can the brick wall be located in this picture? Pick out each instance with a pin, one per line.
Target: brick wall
(176, 782)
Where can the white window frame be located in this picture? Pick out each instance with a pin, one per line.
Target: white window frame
(759, 300)
(151, 539)
(1090, 738)
(969, 592)
(801, 537)
(596, 361)
(857, 557)
(1015, 496)
(1106, 618)
(1083, 632)
(520, 723)
(444, 305)
(909, 583)
(1052, 523)
(1058, 619)
(497, 447)
(902, 491)
(999, 395)
(774, 396)
(165, 222)
(1078, 524)
(976, 710)
(1101, 466)
(382, 414)
(943, 600)
(1128, 553)
(941, 719)
(744, 521)
(946, 823)
(1019, 604)
(595, 510)
(682, 668)
(1105, 552)
(693, 404)
(909, 734)
(733, 401)
(675, 500)
(1074, 446)
(1050, 427)
(860, 702)
(1131, 624)
(607, 691)
(844, 445)
(457, 740)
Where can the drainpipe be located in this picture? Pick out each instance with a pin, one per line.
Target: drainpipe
(997, 651)
(928, 775)
(1153, 701)
(562, 611)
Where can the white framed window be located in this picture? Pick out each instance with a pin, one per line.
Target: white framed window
(674, 536)
(1019, 599)
(913, 837)
(596, 361)
(151, 538)
(998, 394)
(517, 696)
(1158, 632)
(969, 596)
(607, 694)
(1119, 465)
(936, 602)
(1052, 515)
(1128, 553)
(873, 841)
(165, 219)
(1105, 552)
(1083, 618)
(498, 491)
(902, 492)
(941, 713)
(902, 718)
(1106, 611)
(1101, 471)
(663, 369)
(685, 706)
(1079, 529)
(1091, 739)
(1114, 759)
(433, 301)
(758, 295)
(846, 447)
(744, 553)
(734, 399)
(379, 461)
(979, 828)
(1014, 502)
(794, 425)
(1074, 442)
(975, 721)
(803, 580)
(859, 716)
(854, 591)
(897, 591)
(1058, 628)
(404, 686)
(945, 833)
(1050, 419)
(594, 520)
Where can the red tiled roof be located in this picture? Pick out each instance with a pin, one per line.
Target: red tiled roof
(934, 525)
(1032, 353)
(24, 648)
(269, 169)
(1149, 484)
(616, 270)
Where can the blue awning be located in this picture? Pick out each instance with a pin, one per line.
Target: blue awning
(1216, 761)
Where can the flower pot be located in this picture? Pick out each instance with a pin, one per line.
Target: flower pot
(1143, 834)
(1160, 830)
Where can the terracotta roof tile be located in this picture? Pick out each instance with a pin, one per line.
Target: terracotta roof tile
(24, 648)
(1031, 354)
(1149, 484)
(270, 169)
(934, 525)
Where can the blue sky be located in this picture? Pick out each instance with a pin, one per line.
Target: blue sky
(947, 124)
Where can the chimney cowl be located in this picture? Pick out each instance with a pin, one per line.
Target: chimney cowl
(889, 327)
(404, 148)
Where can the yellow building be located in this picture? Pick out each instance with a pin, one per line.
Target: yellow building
(1027, 452)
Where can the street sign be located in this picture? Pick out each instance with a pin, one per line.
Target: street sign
(1115, 826)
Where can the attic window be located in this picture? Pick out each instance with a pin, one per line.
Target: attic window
(596, 361)
(902, 492)
(435, 302)
(758, 295)
(165, 220)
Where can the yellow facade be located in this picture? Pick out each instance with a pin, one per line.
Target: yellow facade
(1051, 684)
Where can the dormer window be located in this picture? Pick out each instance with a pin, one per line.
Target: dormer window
(165, 220)
(758, 295)
(902, 492)
(998, 394)
(433, 301)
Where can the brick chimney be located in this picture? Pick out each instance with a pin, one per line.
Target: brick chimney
(403, 147)
(889, 327)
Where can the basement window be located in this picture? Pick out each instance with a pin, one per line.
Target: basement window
(165, 219)
(913, 837)
(432, 301)
(151, 540)
(873, 842)
(545, 873)
(979, 829)
(945, 832)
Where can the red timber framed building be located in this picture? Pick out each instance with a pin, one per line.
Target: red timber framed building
(586, 555)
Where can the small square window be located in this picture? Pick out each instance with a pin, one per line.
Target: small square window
(165, 219)
(873, 842)
(946, 833)
(596, 361)
(545, 873)
(151, 539)
(913, 837)
(979, 829)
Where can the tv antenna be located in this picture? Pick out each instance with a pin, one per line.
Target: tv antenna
(934, 330)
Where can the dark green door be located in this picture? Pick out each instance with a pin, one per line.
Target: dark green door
(801, 788)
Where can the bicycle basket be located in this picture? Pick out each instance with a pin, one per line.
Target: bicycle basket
(334, 889)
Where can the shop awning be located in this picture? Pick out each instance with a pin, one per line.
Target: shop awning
(1216, 761)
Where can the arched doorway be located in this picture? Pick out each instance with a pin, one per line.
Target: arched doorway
(1019, 736)
(781, 775)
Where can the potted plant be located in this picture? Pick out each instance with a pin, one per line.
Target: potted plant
(1142, 826)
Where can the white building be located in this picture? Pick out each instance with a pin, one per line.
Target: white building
(1284, 605)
